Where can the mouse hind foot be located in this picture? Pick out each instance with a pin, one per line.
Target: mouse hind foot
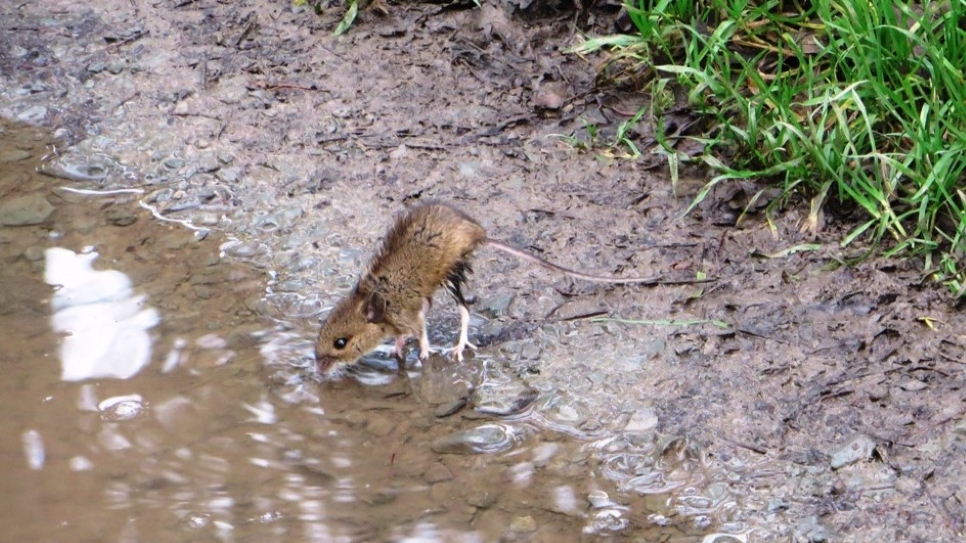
(457, 350)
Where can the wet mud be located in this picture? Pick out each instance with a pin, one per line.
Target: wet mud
(187, 187)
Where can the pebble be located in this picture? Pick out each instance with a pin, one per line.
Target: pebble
(33, 115)
(13, 155)
(523, 524)
(488, 438)
(120, 216)
(34, 253)
(438, 473)
(380, 426)
(25, 210)
(858, 447)
(78, 168)
(812, 531)
(228, 175)
(503, 399)
(449, 408)
(643, 420)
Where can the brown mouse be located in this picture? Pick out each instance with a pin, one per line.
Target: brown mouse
(428, 247)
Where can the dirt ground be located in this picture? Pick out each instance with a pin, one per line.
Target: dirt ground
(790, 399)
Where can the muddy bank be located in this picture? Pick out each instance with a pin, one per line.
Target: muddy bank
(792, 399)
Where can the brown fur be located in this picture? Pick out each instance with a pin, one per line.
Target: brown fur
(428, 247)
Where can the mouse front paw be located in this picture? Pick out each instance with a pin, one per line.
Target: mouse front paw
(456, 351)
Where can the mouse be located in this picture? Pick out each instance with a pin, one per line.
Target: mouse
(428, 247)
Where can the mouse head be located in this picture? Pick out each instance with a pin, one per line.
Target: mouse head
(354, 327)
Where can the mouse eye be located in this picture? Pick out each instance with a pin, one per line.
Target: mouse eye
(340, 343)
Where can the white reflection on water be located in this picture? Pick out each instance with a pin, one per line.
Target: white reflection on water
(104, 323)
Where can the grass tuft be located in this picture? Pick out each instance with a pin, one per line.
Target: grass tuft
(862, 103)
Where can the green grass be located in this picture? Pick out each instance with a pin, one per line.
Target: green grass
(860, 103)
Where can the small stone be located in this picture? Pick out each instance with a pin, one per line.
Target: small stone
(878, 393)
(599, 499)
(34, 253)
(25, 210)
(523, 524)
(33, 115)
(119, 216)
(438, 473)
(481, 499)
(488, 438)
(449, 408)
(503, 399)
(912, 385)
(495, 306)
(643, 420)
(380, 426)
(228, 175)
(96, 67)
(777, 504)
(858, 447)
(13, 155)
(244, 337)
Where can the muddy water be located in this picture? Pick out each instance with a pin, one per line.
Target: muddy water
(152, 393)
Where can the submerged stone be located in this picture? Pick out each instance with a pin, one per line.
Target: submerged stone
(489, 438)
(25, 210)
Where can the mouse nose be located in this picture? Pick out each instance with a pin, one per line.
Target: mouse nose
(323, 362)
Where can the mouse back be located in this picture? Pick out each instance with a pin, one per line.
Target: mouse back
(425, 248)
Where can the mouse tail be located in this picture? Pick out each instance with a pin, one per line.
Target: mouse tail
(523, 255)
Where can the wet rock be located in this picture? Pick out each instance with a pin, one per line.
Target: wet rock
(380, 498)
(643, 420)
(599, 499)
(244, 337)
(13, 155)
(78, 167)
(495, 306)
(503, 399)
(450, 408)
(776, 504)
(228, 175)
(481, 499)
(878, 393)
(33, 115)
(34, 253)
(912, 385)
(858, 447)
(489, 438)
(96, 67)
(25, 210)
(120, 216)
(380, 426)
(438, 473)
(811, 531)
(208, 163)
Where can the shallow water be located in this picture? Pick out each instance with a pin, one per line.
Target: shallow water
(152, 393)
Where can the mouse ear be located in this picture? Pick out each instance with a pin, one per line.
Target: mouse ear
(375, 308)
